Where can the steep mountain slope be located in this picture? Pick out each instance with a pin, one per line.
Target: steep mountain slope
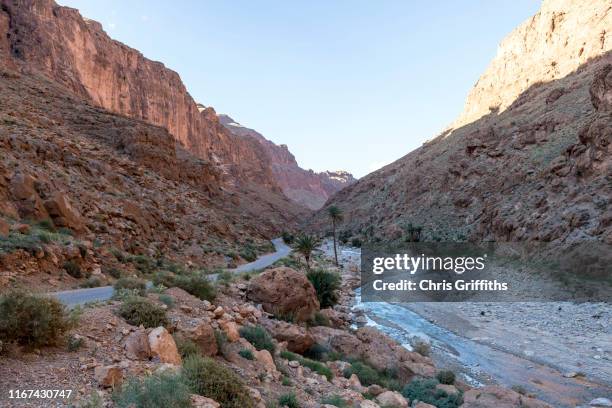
(537, 166)
(79, 54)
(304, 187)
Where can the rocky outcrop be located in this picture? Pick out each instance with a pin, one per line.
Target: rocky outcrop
(493, 396)
(284, 292)
(553, 43)
(304, 187)
(77, 53)
(536, 169)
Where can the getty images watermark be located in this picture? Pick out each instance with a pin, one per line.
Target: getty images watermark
(454, 272)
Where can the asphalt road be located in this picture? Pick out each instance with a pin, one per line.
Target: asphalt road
(76, 297)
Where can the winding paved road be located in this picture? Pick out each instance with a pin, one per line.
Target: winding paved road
(76, 297)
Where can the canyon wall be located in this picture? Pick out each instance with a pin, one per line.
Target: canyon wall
(305, 187)
(537, 167)
(76, 52)
(558, 39)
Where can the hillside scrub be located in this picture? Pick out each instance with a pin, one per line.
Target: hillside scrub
(139, 311)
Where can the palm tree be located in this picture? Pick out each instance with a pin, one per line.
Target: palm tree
(335, 214)
(305, 245)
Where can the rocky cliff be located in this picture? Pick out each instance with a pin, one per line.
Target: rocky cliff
(76, 52)
(304, 187)
(534, 167)
(553, 43)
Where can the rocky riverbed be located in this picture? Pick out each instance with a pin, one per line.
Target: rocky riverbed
(558, 351)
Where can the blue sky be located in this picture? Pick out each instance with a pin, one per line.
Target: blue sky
(345, 84)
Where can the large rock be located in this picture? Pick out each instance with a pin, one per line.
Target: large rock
(63, 213)
(108, 376)
(204, 336)
(163, 346)
(137, 346)
(198, 401)
(5, 228)
(297, 337)
(284, 291)
(493, 396)
(28, 202)
(392, 399)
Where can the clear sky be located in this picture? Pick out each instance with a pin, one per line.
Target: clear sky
(346, 85)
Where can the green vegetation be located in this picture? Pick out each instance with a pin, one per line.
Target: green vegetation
(208, 378)
(356, 242)
(288, 400)
(258, 337)
(425, 390)
(326, 285)
(422, 347)
(157, 391)
(305, 245)
(136, 285)
(73, 269)
(335, 400)
(288, 237)
(137, 310)
(412, 232)
(91, 283)
(246, 353)
(33, 321)
(368, 375)
(248, 253)
(197, 284)
(319, 319)
(166, 300)
(446, 377)
(335, 214)
(286, 382)
(186, 347)
(306, 362)
(75, 343)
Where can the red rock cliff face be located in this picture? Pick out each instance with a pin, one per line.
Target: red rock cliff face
(77, 53)
(304, 187)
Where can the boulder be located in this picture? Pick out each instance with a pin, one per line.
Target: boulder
(448, 389)
(63, 213)
(284, 291)
(5, 228)
(601, 402)
(198, 401)
(108, 376)
(230, 329)
(265, 358)
(392, 399)
(493, 396)
(423, 405)
(297, 337)
(137, 346)
(163, 346)
(204, 336)
(28, 202)
(368, 404)
(375, 389)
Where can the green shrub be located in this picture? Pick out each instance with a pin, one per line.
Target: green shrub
(91, 283)
(197, 285)
(221, 339)
(286, 382)
(33, 321)
(246, 353)
(315, 366)
(356, 242)
(157, 391)
(208, 378)
(186, 347)
(288, 400)
(73, 269)
(319, 319)
(75, 343)
(335, 400)
(422, 347)
(258, 337)
(446, 377)
(132, 284)
(248, 254)
(288, 237)
(138, 310)
(119, 255)
(519, 389)
(366, 374)
(326, 285)
(113, 272)
(47, 225)
(425, 390)
(167, 300)
(143, 264)
(317, 352)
